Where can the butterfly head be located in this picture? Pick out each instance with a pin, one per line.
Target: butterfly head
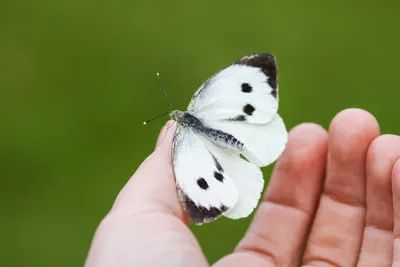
(177, 115)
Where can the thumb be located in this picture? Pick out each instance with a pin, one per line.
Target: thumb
(152, 188)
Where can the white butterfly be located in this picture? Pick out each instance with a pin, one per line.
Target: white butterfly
(233, 113)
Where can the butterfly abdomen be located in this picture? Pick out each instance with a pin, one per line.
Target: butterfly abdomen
(220, 137)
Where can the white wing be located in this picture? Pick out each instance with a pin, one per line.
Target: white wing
(213, 181)
(250, 115)
(247, 178)
(246, 90)
(263, 143)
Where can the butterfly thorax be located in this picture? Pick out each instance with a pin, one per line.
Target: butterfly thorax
(186, 119)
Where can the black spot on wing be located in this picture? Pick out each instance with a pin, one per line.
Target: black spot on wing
(219, 167)
(248, 109)
(202, 183)
(200, 214)
(219, 176)
(267, 63)
(246, 88)
(274, 93)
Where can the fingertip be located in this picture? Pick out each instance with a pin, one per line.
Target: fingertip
(307, 133)
(161, 157)
(352, 128)
(383, 143)
(164, 146)
(382, 153)
(301, 167)
(355, 119)
(307, 142)
(163, 132)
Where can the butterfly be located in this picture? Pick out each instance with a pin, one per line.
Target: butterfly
(230, 129)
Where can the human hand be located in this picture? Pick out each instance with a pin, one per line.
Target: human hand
(329, 203)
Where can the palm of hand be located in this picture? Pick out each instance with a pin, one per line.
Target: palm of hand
(329, 203)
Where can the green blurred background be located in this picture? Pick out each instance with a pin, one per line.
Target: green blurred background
(77, 79)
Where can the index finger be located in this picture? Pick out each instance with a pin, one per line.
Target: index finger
(152, 187)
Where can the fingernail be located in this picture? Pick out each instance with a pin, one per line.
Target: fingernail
(163, 132)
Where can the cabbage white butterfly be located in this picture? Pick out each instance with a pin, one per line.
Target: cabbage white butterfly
(233, 113)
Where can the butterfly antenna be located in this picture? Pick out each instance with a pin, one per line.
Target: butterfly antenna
(169, 101)
(165, 90)
(146, 122)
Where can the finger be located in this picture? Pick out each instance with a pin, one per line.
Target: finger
(376, 249)
(163, 132)
(280, 225)
(146, 226)
(396, 211)
(152, 188)
(336, 235)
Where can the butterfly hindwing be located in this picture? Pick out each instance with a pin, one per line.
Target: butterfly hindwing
(247, 178)
(262, 143)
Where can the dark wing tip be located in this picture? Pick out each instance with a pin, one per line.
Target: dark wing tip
(266, 62)
(199, 214)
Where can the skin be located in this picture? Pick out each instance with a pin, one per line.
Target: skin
(333, 200)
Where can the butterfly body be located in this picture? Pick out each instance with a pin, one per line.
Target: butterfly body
(185, 119)
(233, 113)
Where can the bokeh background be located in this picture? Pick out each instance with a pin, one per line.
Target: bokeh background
(77, 79)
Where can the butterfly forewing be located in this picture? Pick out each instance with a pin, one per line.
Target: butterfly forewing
(206, 191)
(244, 91)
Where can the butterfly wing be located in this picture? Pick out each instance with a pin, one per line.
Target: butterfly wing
(242, 100)
(247, 90)
(247, 178)
(263, 143)
(210, 180)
